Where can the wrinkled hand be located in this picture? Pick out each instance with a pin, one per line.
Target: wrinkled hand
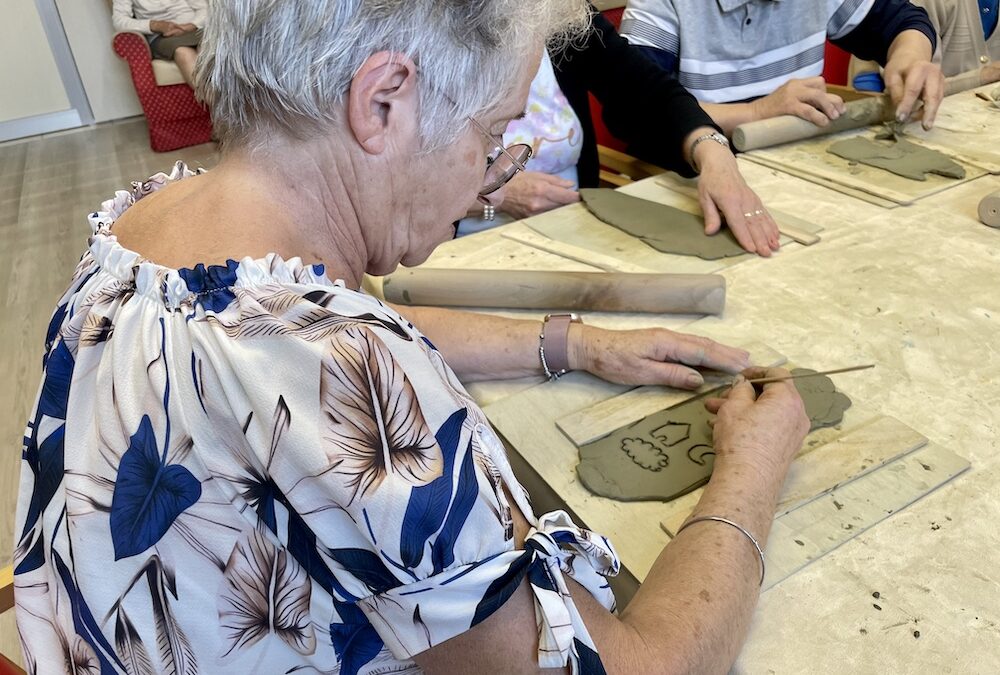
(762, 432)
(531, 192)
(725, 195)
(166, 28)
(807, 99)
(651, 356)
(911, 79)
(188, 27)
(991, 72)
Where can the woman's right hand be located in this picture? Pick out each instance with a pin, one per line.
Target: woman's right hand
(531, 192)
(762, 432)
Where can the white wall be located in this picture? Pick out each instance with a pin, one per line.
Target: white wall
(105, 76)
(29, 80)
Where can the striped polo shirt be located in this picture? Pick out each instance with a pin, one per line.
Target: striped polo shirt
(734, 50)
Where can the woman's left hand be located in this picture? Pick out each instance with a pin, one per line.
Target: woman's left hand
(725, 195)
(650, 356)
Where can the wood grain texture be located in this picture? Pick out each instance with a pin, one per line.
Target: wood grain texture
(820, 526)
(835, 463)
(48, 185)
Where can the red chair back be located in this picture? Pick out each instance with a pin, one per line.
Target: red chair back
(836, 65)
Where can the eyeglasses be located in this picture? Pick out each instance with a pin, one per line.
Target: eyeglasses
(503, 163)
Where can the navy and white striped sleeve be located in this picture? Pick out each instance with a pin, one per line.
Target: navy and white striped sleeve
(652, 23)
(845, 16)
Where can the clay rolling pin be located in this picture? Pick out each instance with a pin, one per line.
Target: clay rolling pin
(593, 291)
(989, 210)
(875, 110)
(788, 128)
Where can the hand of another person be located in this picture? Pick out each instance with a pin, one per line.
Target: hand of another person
(188, 27)
(909, 79)
(531, 192)
(724, 194)
(160, 27)
(990, 73)
(762, 432)
(651, 356)
(170, 29)
(806, 98)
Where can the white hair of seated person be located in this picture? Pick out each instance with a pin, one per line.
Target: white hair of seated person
(259, 71)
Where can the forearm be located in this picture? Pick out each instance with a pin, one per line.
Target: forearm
(730, 115)
(694, 608)
(479, 346)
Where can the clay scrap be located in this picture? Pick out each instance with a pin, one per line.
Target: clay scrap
(663, 227)
(898, 156)
(670, 453)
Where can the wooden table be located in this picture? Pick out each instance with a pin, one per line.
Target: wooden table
(916, 290)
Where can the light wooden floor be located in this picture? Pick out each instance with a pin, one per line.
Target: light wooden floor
(48, 185)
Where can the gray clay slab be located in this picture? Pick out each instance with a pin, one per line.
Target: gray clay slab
(669, 453)
(898, 156)
(663, 227)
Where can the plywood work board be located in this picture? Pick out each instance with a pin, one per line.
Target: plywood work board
(810, 159)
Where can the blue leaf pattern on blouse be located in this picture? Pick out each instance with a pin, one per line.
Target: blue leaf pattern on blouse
(149, 494)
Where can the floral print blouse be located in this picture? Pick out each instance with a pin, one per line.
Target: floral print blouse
(250, 468)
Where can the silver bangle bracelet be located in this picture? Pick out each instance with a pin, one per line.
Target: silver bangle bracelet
(717, 519)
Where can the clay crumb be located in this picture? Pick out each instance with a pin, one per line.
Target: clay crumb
(838, 504)
(800, 542)
(876, 595)
(863, 631)
(916, 634)
(876, 607)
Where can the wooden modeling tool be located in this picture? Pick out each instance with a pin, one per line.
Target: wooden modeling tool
(771, 380)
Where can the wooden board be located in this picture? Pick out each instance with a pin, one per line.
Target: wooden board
(822, 469)
(523, 234)
(810, 158)
(823, 182)
(962, 127)
(808, 533)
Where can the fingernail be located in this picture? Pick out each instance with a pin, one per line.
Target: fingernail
(740, 379)
(695, 380)
(900, 117)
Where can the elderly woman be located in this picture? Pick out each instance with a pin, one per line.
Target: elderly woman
(238, 462)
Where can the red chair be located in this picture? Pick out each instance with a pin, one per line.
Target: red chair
(835, 65)
(175, 118)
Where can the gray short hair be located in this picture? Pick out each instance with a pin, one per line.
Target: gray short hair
(284, 65)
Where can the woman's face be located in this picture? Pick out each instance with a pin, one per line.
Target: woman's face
(448, 180)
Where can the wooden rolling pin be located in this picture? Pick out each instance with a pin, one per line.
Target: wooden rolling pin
(592, 291)
(875, 110)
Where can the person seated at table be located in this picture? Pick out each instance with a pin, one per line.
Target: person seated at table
(240, 462)
(173, 28)
(968, 40)
(737, 51)
(662, 123)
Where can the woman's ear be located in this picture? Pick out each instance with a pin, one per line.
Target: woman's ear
(383, 99)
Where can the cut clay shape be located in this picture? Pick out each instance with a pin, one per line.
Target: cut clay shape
(825, 405)
(899, 157)
(670, 453)
(663, 227)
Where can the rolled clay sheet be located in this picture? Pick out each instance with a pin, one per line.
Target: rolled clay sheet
(989, 210)
(578, 291)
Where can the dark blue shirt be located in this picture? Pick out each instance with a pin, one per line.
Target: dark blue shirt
(988, 10)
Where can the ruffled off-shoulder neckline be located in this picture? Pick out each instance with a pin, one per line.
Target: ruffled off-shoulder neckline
(179, 287)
